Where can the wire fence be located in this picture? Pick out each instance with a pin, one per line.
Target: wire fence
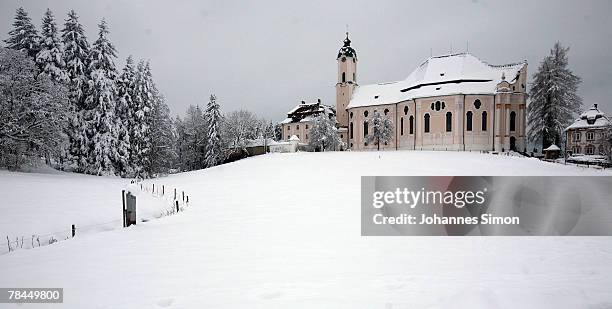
(173, 204)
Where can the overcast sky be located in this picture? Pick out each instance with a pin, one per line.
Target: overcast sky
(267, 56)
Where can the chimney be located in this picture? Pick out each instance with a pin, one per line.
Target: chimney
(595, 105)
(303, 102)
(318, 100)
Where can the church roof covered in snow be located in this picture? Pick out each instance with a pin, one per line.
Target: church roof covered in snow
(591, 118)
(304, 112)
(442, 75)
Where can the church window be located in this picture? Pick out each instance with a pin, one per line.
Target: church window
(351, 114)
(438, 106)
(365, 114)
(341, 136)
(297, 127)
(343, 77)
(351, 130)
(449, 121)
(343, 59)
(306, 127)
(402, 126)
(386, 111)
(477, 104)
(426, 122)
(365, 128)
(375, 97)
(411, 124)
(512, 121)
(443, 105)
(468, 121)
(432, 106)
(405, 110)
(288, 128)
(354, 78)
(484, 120)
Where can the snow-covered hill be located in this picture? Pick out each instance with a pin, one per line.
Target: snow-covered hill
(283, 231)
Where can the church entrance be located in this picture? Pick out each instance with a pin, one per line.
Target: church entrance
(512, 143)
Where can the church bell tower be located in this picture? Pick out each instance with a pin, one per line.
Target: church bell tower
(347, 80)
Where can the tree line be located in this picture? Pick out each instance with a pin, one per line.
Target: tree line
(64, 100)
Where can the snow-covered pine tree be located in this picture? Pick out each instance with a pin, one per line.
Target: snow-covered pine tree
(214, 152)
(50, 57)
(381, 129)
(554, 99)
(102, 127)
(143, 100)
(194, 130)
(76, 53)
(324, 134)
(23, 37)
(126, 87)
(163, 139)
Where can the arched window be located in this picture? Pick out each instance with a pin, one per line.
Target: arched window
(402, 126)
(512, 121)
(449, 121)
(411, 124)
(426, 123)
(351, 130)
(351, 114)
(365, 128)
(365, 114)
(432, 106)
(477, 104)
(405, 110)
(386, 111)
(354, 78)
(343, 77)
(468, 121)
(437, 105)
(484, 120)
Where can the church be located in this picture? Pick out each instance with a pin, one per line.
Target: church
(453, 102)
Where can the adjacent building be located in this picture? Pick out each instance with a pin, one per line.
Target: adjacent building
(299, 119)
(587, 134)
(449, 102)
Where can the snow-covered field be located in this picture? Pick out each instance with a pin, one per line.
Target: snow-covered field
(283, 231)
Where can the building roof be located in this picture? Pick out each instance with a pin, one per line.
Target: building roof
(552, 147)
(592, 118)
(442, 75)
(304, 112)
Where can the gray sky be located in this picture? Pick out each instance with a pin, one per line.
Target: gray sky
(266, 56)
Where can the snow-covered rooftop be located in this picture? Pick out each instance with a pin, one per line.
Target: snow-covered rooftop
(305, 112)
(552, 147)
(592, 118)
(442, 75)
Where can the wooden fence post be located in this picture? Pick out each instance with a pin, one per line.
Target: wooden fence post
(177, 207)
(123, 209)
(183, 196)
(175, 193)
(73, 230)
(163, 189)
(8, 242)
(187, 199)
(153, 191)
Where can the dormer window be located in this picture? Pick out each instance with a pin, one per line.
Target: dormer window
(375, 97)
(442, 74)
(438, 88)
